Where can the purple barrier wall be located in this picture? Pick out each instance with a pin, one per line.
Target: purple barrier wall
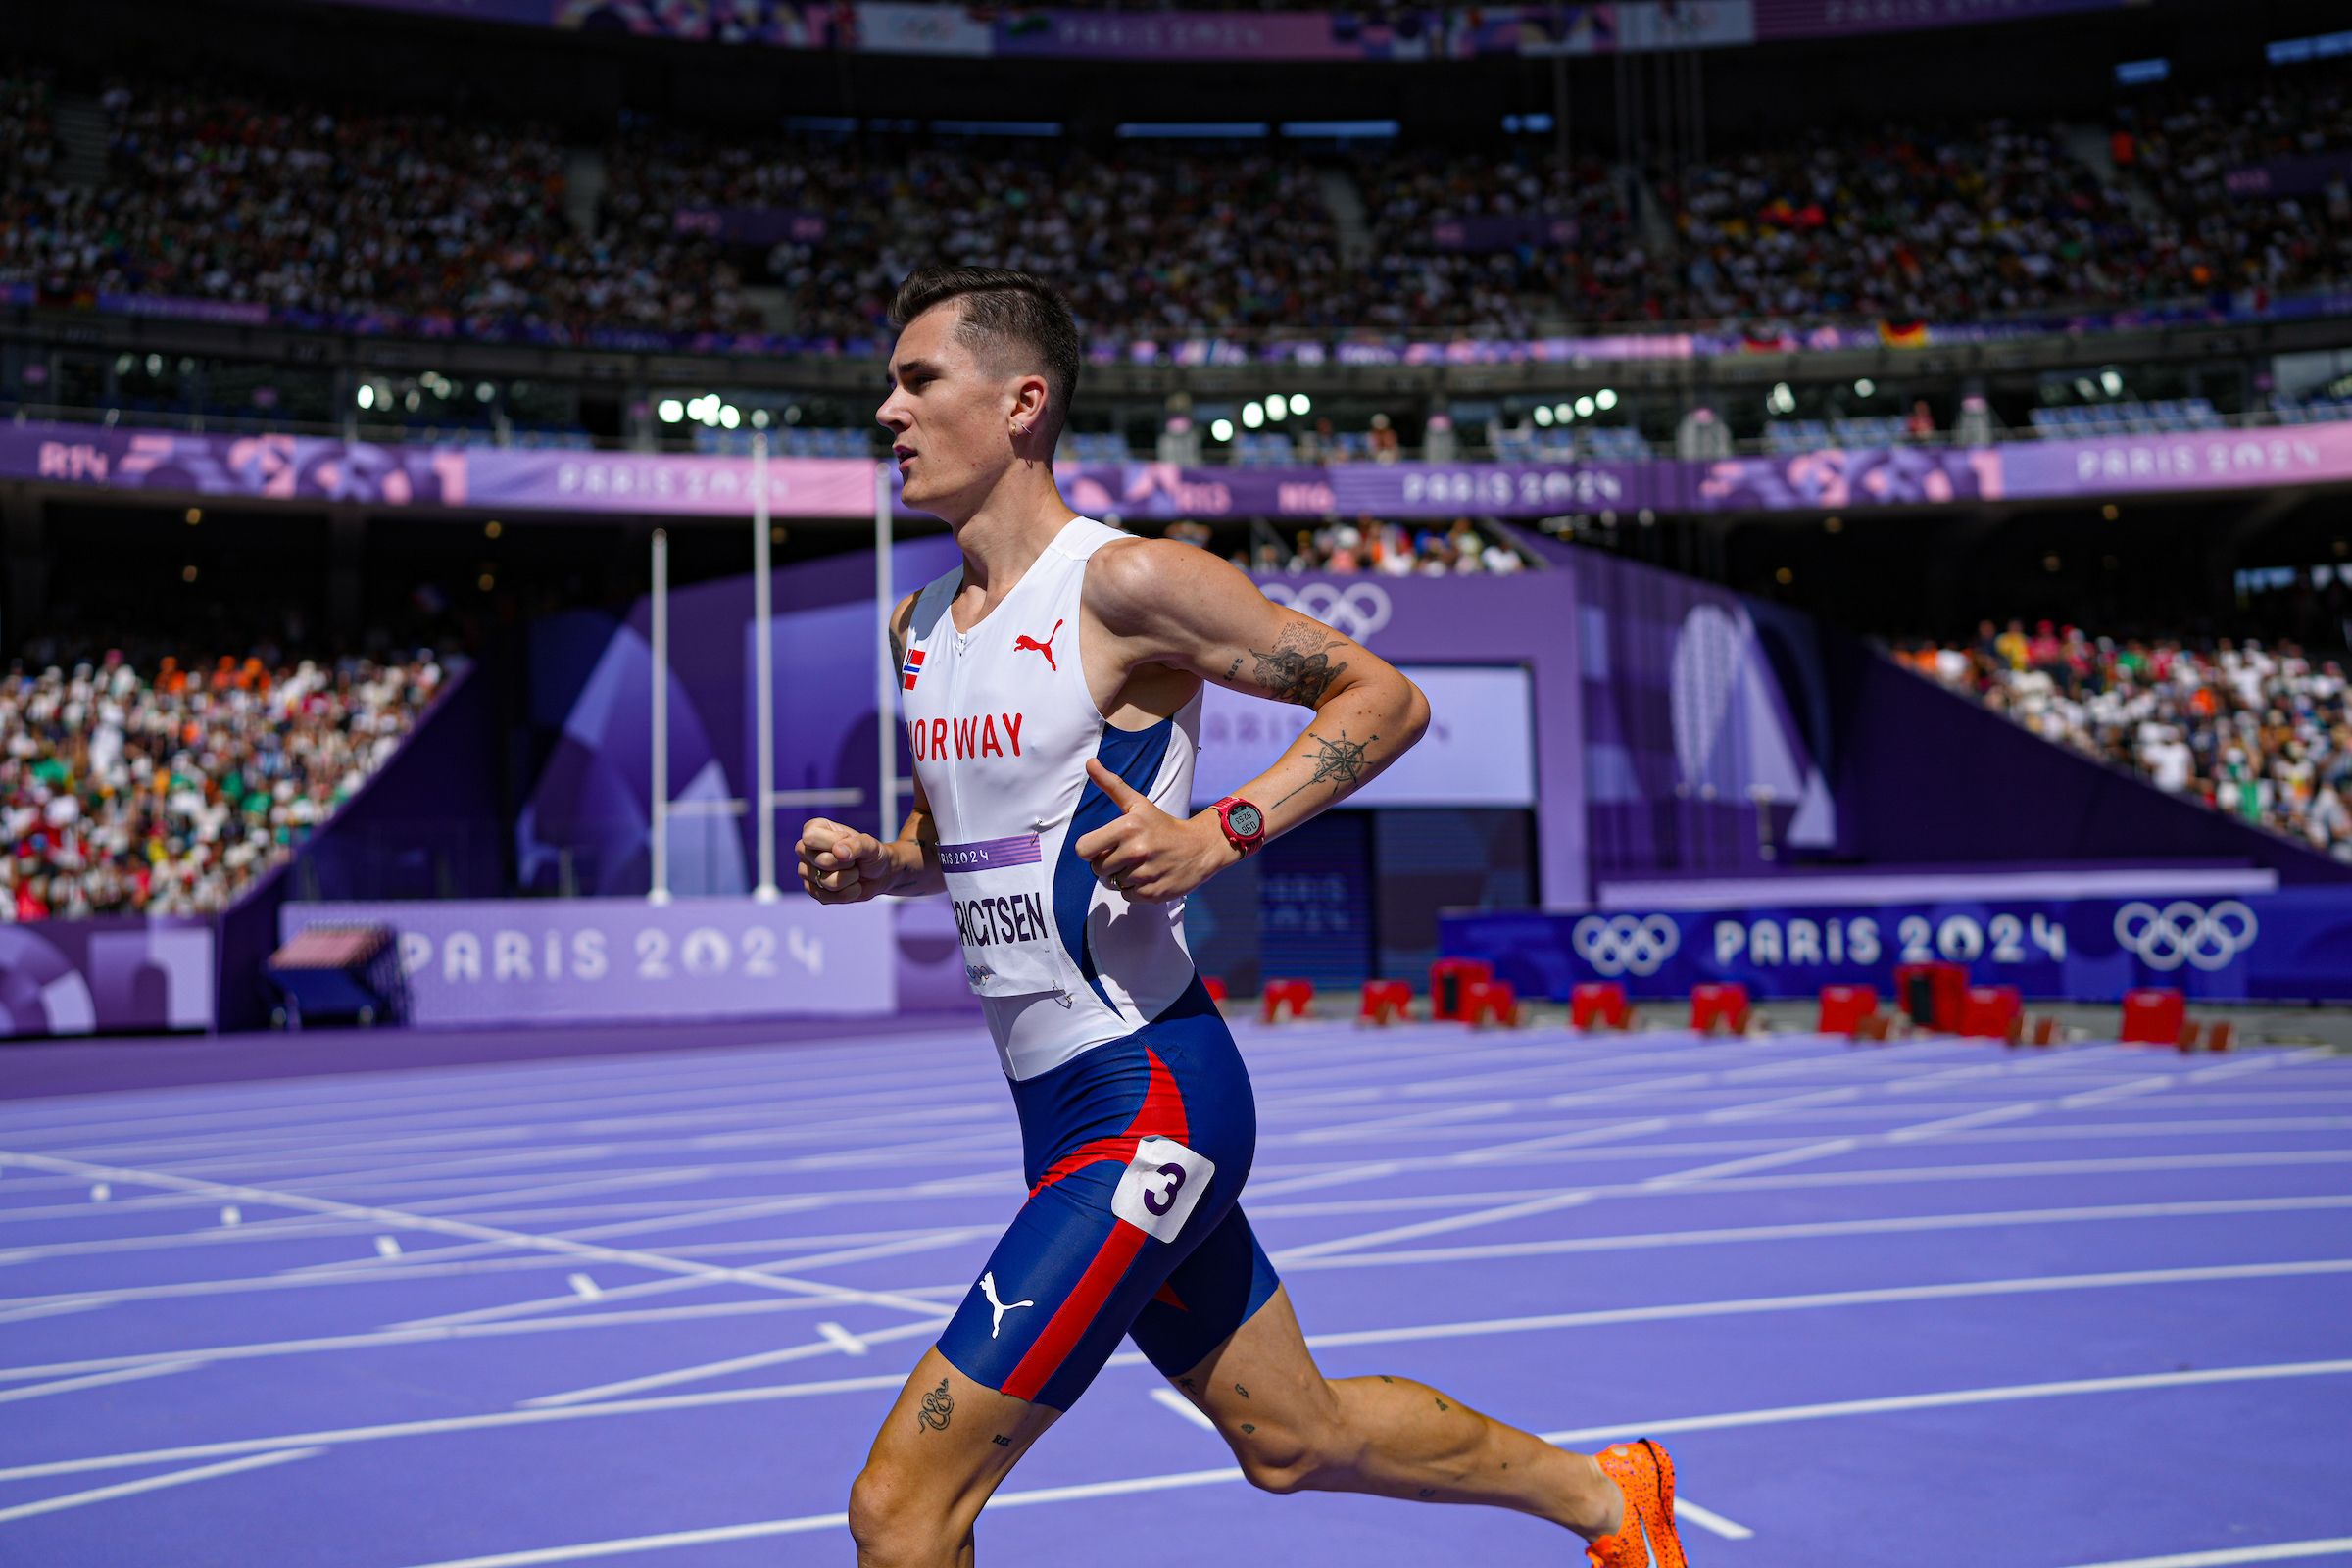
(430, 824)
(105, 976)
(470, 963)
(1944, 779)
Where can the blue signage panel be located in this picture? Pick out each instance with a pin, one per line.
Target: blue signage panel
(2290, 947)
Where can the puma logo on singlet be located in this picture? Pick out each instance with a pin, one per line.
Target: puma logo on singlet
(988, 1288)
(1024, 639)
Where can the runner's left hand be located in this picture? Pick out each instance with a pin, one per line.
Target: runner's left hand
(1146, 853)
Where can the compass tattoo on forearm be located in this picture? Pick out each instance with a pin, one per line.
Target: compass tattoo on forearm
(1342, 762)
(1299, 667)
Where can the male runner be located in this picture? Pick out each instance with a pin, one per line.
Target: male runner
(1051, 689)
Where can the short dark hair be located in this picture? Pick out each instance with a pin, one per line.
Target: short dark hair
(998, 308)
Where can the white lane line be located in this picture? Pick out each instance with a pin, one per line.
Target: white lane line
(584, 1286)
(177, 1478)
(1709, 1520)
(2282, 1552)
(604, 1391)
(842, 1339)
(2036, 1285)
(1174, 1481)
(524, 1240)
(1183, 1407)
(96, 1380)
(791, 1390)
(2122, 1090)
(1807, 1228)
(1972, 1118)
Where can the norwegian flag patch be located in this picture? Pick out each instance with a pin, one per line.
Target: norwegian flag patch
(912, 667)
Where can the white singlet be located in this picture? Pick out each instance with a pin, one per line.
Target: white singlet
(1001, 724)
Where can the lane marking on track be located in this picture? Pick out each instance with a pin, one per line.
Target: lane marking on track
(2284, 1551)
(177, 1478)
(1183, 1407)
(1707, 1519)
(1131, 1485)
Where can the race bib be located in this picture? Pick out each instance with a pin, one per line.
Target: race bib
(1004, 915)
(1162, 1182)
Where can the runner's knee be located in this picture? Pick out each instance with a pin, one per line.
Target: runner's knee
(895, 1525)
(1295, 1451)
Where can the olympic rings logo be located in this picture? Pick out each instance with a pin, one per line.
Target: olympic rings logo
(2183, 933)
(1624, 945)
(1356, 611)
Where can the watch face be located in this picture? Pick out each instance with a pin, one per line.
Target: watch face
(1246, 821)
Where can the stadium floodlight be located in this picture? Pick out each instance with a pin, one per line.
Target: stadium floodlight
(1585, 407)
(1543, 414)
(1278, 407)
(1563, 411)
(2112, 382)
(1865, 387)
(483, 392)
(367, 396)
(730, 415)
(2082, 385)
(1300, 403)
(413, 399)
(1221, 430)
(671, 409)
(155, 365)
(758, 419)
(1606, 399)
(1253, 415)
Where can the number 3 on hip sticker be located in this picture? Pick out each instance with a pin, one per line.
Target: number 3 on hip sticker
(1162, 1182)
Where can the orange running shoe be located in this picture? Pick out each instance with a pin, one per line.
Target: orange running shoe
(1644, 1474)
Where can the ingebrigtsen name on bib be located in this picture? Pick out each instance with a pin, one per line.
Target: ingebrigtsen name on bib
(1016, 917)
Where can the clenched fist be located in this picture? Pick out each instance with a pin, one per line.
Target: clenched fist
(1144, 852)
(842, 865)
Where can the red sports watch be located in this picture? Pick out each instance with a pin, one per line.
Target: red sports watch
(1244, 825)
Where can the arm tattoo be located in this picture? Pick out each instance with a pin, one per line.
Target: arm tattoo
(937, 1406)
(1341, 761)
(1299, 667)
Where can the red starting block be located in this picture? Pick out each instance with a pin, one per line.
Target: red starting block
(2219, 1035)
(1991, 1012)
(1719, 1006)
(1843, 1008)
(1484, 1001)
(1386, 1001)
(1933, 994)
(2154, 1015)
(1215, 989)
(1448, 978)
(1599, 1003)
(1295, 998)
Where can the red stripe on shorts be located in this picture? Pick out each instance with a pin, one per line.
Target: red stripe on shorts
(1161, 1115)
(1076, 1314)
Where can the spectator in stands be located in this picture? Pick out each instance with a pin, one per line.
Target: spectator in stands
(169, 793)
(2260, 732)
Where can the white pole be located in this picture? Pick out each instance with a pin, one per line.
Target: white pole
(887, 689)
(764, 676)
(660, 893)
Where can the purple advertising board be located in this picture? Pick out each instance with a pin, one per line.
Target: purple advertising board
(1399, 33)
(2288, 946)
(571, 961)
(111, 975)
(1824, 19)
(289, 467)
(750, 225)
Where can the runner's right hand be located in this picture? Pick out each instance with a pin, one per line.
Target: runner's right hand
(842, 865)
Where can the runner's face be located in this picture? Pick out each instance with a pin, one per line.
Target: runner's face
(949, 417)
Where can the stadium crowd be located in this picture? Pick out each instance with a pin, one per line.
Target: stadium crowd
(351, 214)
(1386, 549)
(2261, 732)
(166, 789)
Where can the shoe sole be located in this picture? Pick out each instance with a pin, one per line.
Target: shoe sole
(1673, 1556)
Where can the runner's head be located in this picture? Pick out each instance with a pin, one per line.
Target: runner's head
(982, 376)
